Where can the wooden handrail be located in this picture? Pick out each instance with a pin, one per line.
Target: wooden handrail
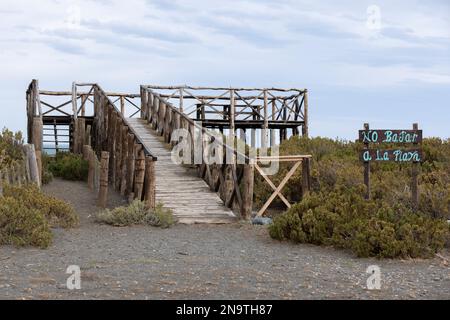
(130, 128)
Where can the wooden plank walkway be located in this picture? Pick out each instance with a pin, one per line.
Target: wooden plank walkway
(178, 187)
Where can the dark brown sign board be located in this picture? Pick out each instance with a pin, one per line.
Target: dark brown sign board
(395, 155)
(390, 136)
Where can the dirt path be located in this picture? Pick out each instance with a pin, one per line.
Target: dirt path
(200, 262)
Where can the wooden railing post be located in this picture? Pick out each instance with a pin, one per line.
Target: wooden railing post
(305, 177)
(32, 164)
(103, 193)
(150, 183)
(143, 103)
(140, 173)
(305, 128)
(91, 172)
(124, 161)
(130, 164)
(247, 196)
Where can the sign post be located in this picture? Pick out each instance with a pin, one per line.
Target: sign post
(400, 155)
(367, 166)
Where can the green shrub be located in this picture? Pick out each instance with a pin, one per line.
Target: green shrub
(336, 164)
(57, 212)
(343, 218)
(10, 147)
(68, 166)
(137, 214)
(21, 225)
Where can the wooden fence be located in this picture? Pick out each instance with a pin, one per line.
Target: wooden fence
(130, 166)
(23, 171)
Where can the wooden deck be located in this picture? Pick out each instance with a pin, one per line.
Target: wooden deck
(178, 187)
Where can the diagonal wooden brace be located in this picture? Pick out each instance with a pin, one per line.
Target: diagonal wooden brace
(277, 191)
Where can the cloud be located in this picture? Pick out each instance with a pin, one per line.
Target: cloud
(324, 46)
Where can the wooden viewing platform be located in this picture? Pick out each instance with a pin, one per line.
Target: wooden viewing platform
(134, 139)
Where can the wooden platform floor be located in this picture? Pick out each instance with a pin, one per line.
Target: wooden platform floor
(178, 187)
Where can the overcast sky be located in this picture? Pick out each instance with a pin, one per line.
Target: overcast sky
(388, 65)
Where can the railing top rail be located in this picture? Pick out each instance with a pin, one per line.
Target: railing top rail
(223, 88)
(194, 123)
(69, 93)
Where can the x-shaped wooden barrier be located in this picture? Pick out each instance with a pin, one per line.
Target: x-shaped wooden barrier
(277, 190)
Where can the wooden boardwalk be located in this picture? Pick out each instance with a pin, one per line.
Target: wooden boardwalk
(179, 187)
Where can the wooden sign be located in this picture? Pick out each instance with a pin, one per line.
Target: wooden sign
(390, 136)
(395, 155)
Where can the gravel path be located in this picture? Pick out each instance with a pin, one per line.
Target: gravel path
(201, 262)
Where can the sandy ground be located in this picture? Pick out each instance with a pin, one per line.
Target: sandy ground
(237, 261)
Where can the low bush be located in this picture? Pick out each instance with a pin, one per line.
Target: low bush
(21, 225)
(27, 216)
(137, 214)
(57, 212)
(68, 166)
(343, 218)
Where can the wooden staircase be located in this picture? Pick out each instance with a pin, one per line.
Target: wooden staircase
(178, 187)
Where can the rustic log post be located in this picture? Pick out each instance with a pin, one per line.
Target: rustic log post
(103, 192)
(75, 140)
(155, 113)
(367, 167)
(87, 137)
(265, 131)
(39, 164)
(140, 173)
(150, 183)
(86, 152)
(162, 113)
(149, 106)
(306, 169)
(37, 140)
(33, 164)
(117, 153)
(305, 128)
(228, 185)
(130, 164)
(124, 161)
(84, 98)
(247, 196)
(81, 134)
(143, 103)
(112, 146)
(91, 172)
(415, 176)
(273, 132)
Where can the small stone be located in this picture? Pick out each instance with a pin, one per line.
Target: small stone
(261, 221)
